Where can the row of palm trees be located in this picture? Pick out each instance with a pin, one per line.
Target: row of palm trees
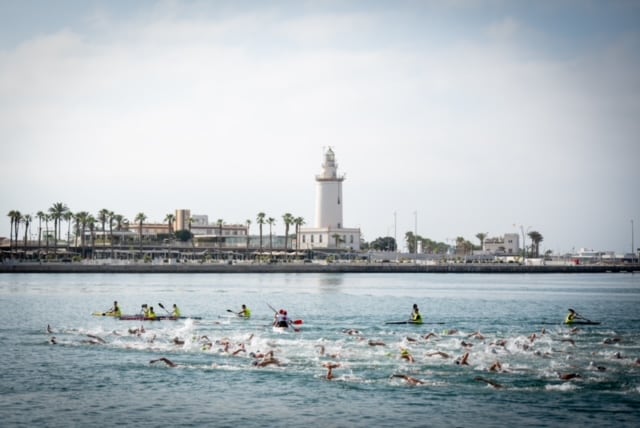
(83, 220)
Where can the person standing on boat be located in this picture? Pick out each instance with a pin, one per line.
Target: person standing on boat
(245, 312)
(176, 311)
(416, 318)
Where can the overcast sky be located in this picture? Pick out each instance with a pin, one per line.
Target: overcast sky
(456, 116)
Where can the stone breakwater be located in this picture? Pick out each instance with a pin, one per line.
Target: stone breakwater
(307, 268)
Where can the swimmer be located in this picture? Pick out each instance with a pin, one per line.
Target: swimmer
(476, 335)
(376, 343)
(569, 376)
(410, 380)
(496, 367)
(488, 382)
(178, 341)
(429, 336)
(49, 329)
(438, 353)
(406, 355)
(463, 361)
(330, 367)
(164, 360)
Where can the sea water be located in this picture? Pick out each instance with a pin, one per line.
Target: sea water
(61, 366)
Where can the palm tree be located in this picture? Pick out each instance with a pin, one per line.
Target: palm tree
(260, 221)
(27, 221)
(536, 239)
(298, 221)
(68, 216)
(481, 236)
(140, 218)
(271, 222)
(288, 221)
(219, 223)
(41, 215)
(103, 215)
(57, 211)
(81, 218)
(110, 218)
(47, 218)
(170, 218)
(13, 215)
(248, 223)
(91, 222)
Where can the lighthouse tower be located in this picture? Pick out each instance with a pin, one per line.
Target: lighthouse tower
(329, 194)
(328, 232)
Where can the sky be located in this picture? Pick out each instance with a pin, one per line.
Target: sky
(448, 118)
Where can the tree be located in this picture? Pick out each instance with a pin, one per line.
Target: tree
(260, 220)
(220, 223)
(57, 211)
(140, 219)
(248, 223)
(298, 221)
(481, 236)
(536, 239)
(410, 239)
(26, 219)
(91, 222)
(40, 215)
(271, 222)
(82, 218)
(170, 218)
(103, 215)
(110, 218)
(14, 216)
(288, 219)
(68, 216)
(384, 244)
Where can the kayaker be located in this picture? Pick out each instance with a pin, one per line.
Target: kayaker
(144, 310)
(281, 319)
(115, 310)
(245, 312)
(416, 318)
(176, 311)
(571, 317)
(151, 314)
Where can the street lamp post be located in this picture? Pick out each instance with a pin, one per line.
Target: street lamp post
(524, 242)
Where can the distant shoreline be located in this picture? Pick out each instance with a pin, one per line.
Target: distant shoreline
(261, 268)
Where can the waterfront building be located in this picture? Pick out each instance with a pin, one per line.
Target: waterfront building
(509, 244)
(329, 231)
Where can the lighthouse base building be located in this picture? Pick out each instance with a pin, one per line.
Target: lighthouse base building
(328, 231)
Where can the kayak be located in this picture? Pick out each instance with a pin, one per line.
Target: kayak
(103, 314)
(157, 318)
(404, 322)
(583, 322)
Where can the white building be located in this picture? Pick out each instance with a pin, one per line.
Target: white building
(328, 231)
(508, 244)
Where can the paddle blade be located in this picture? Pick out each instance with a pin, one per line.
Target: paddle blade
(161, 305)
(297, 322)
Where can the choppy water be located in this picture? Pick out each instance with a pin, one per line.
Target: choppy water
(98, 372)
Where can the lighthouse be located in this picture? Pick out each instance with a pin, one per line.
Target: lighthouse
(329, 194)
(328, 231)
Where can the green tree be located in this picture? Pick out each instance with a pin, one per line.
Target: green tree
(170, 218)
(103, 216)
(26, 219)
(220, 223)
(481, 237)
(298, 221)
(271, 222)
(40, 215)
(248, 223)
(386, 243)
(536, 239)
(140, 219)
(68, 217)
(260, 219)
(57, 211)
(288, 219)
(14, 216)
(82, 218)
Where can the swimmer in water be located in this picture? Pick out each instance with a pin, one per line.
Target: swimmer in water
(164, 360)
(410, 380)
(330, 367)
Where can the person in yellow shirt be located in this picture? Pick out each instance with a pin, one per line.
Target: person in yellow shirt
(245, 312)
(176, 311)
(416, 318)
(151, 314)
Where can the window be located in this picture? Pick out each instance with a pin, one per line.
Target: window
(320, 238)
(312, 239)
(304, 239)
